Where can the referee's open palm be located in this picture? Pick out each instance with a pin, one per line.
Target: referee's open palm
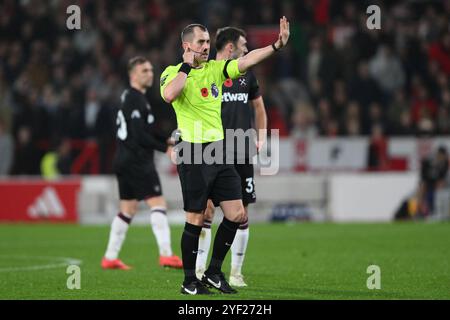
(284, 32)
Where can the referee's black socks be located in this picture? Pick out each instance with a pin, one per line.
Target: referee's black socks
(189, 248)
(222, 243)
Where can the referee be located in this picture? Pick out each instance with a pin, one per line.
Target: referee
(135, 168)
(194, 88)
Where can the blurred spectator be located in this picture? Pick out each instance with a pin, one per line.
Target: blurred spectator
(352, 127)
(433, 177)
(405, 126)
(95, 122)
(340, 100)
(6, 149)
(287, 93)
(425, 124)
(386, 68)
(37, 70)
(57, 163)
(91, 115)
(352, 122)
(440, 52)
(313, 59)
(423, 106)
(375, 119)
(63, 119)
(6, 110)
(26, 156)
(363, 88)
(378, 158)
(331, 128)
(303, 122)
(398, 106)
(324, 115)
(86, 38)
(443, 121)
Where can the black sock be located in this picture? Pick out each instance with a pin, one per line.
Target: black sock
(189, 247)
(222, 243)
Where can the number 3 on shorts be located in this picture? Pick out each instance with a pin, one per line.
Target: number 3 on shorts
(250, 185)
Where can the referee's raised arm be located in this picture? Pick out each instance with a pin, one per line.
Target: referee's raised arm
(258, 55)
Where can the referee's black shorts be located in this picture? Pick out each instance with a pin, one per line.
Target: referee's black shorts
(202, 181)
(138, 182)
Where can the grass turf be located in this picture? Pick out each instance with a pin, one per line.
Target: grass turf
(284, 261)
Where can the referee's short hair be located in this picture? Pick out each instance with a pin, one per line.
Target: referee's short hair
(136, 61)
(226, 35)
(189, 30)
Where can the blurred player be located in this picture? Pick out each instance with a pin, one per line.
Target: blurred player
(135, 169)
(238, 97)
(194, 88)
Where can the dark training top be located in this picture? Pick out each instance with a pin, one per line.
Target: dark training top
(136, 142)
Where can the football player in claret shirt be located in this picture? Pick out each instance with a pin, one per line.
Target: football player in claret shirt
(135, 169)
(240, 97)
(194, 88)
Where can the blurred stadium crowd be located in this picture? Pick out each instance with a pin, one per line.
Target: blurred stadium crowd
(60, 88)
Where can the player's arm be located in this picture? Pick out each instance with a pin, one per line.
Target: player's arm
(260, 120)
(176, 85)
(146, 139)
(256, 56)
(138, 124)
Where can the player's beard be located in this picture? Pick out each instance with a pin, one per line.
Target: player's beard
(237, 54)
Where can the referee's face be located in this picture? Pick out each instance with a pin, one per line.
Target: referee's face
(143, 74)
(200, 45)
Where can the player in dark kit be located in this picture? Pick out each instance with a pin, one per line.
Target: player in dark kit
(135, 169)
(240, 98)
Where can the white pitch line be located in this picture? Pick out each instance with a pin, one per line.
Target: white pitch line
(58, 262)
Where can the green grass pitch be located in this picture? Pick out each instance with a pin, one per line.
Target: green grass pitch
(284, 261)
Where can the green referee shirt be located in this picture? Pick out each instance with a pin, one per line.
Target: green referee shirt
(198, 107)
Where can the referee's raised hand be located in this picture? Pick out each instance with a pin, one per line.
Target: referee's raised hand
(283, 37)
(188, 56)
(257, 55)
